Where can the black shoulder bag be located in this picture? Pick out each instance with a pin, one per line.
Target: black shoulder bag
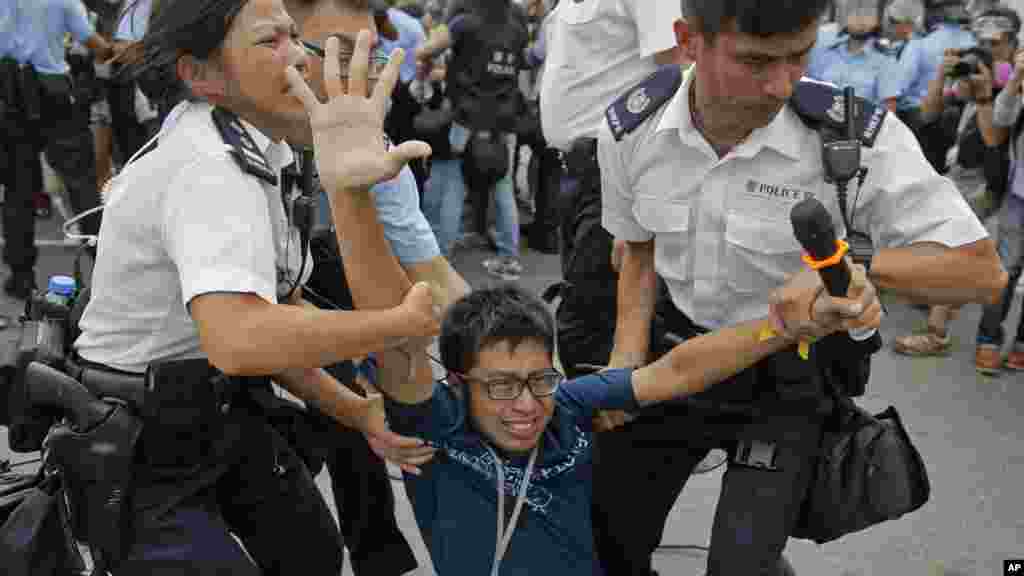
(869, 471)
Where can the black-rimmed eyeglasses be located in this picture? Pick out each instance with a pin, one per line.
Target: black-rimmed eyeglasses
(541, 384)
(378, 59)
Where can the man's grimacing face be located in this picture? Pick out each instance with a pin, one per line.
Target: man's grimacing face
(746, 76)
(514, 426)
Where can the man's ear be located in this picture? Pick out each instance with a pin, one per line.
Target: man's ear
(202, 77)
(685, 36)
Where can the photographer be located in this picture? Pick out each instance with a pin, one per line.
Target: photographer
(1006, 128)
(979, 73)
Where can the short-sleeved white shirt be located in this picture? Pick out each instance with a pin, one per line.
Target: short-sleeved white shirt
(182, 221)
(596, 50)
(721, 228)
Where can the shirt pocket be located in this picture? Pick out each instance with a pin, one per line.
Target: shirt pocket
(670, 223)
(579, 11)
(760, 253)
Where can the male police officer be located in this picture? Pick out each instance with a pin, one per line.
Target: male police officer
(851, 59)
(699, 177)
(596, 50)
(38, 113)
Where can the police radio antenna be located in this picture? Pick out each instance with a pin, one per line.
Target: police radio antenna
(851, 124)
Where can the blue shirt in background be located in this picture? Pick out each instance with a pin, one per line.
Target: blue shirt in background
(410, 36)
(398, 209)
(915, 73)
(455, 500)
(32, 31)
(873, 75)
(134, 22)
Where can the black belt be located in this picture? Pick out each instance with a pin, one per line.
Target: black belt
(110, 383)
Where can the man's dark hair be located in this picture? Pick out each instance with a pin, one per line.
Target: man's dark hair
(756, 17)
(485, 317)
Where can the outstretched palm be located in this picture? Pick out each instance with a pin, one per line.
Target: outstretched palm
(348, 130)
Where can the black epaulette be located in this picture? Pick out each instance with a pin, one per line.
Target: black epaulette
(821, 107)
(250, 158)
(644, 99)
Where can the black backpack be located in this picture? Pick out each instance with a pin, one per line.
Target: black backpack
(484, 73)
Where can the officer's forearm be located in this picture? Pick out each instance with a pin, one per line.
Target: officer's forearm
(439, 272)
(244, 335)
(376, 281)
(701, 362)
(935, 274)
(637, 295)
(315, 386)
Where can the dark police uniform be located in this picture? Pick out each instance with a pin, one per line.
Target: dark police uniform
(202, 212)
(723, 242)
(596, 50)
(38, 113)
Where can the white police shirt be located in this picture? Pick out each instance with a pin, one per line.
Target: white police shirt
(721, 228)
(598, 49)
(181, 221)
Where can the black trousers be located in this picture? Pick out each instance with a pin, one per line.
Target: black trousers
(359, 478)
(586, 313)
(129, 134)
(250, 485)
(399, 127)
(62, 132)
(651, 459)
(364, 499)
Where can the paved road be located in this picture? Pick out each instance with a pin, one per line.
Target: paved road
(967, 427)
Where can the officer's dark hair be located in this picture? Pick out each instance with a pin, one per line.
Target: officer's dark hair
(488, 316)
(193, 27)
(756, 17)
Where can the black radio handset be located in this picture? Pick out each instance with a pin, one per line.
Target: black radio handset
(842, 156)
(304, 206)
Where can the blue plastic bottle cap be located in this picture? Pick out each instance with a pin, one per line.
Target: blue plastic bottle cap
(63, 285)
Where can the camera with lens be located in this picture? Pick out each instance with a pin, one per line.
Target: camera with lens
(968, 62)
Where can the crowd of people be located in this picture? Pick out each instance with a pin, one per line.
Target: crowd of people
(284, 184)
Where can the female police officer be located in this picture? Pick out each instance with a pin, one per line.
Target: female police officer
(195, 259)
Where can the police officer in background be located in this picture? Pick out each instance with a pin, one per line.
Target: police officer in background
(488, 40)
(596, 49)
(902, 20)
(699, 177)
(852, 59)
(38, 113)
(197, 285)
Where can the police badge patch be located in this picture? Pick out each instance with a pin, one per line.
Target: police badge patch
(636, 105)
(638, 101)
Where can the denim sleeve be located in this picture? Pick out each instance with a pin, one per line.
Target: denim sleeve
(435, 420)
(607, 390)
(406, 228)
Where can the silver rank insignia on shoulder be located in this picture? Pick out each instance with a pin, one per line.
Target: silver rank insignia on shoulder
(638, 101)
(243, 148)
(636, 105)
